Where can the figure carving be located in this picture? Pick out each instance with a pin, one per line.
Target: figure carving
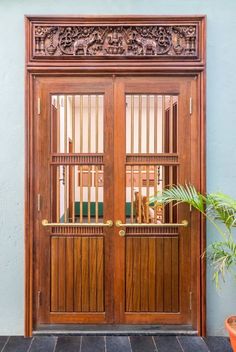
(116, 41)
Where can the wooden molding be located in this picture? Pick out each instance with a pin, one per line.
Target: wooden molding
(112, 39)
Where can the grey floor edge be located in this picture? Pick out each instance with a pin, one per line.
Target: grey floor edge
(112, 330)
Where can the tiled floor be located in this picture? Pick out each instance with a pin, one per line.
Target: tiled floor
(114, 344)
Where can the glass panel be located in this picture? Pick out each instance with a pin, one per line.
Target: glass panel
(143, 181)
(151, 123)
(77, 194)
(79, 119)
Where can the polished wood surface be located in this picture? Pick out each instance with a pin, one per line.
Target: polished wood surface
(144, 277)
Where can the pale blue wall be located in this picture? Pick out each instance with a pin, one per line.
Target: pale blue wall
(221, 141)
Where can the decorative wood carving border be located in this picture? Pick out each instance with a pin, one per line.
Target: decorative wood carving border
(76, 39)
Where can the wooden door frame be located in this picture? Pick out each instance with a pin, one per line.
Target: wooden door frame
(43, 59)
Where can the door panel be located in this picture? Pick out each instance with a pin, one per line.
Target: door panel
(77, 162)
(104, 146)
(153, 272)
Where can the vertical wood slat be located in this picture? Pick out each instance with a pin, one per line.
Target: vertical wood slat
(136, 275)
(100, 275)
(58, 167)
(73, 151)
(144, 275)
(54, 274)
(155, 150)
(152, 274)
(81, 193)
(175, 275)
(69, 274)
(61, 275)
(96, 193)
(159, 274)
(85, 274)
(93, 275)
(167, 275)
(77, 275)
(129, 275)
(65, 151)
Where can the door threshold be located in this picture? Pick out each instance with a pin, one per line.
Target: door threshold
(122, 330)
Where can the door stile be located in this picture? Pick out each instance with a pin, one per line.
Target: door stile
(108, 199)
(119, 198)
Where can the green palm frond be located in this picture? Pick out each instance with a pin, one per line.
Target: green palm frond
(216, 207)
(222, 207)
(181, 194)
(222, 256)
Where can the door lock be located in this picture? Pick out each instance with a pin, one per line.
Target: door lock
(122, 233)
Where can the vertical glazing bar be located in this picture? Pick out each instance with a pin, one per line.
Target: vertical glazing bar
(139, 151)
(155, 151)
(89, 150)
(96, 194)
(97, 134)
(155, 123)
(65, 124)
(171, 151)
(131, 195)
(163, 145)
(73, 150)
(155, 190)
(66, 194)
(139, 194)
(58, 167)
(96, 150)
(140, 124)
(65, 151)
(81, 193)
(132, 150)
(148, 191)
(81, 123)
(148, 123)
(132, 125)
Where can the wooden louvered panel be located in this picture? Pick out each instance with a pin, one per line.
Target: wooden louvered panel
(77, 271)
(152, 274)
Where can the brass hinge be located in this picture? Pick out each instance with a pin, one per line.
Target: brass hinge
(190, 105)
(39, 106)
(39, 298)
(190, 300)
(39, 202)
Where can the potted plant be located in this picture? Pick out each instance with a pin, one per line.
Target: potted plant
(220, 210)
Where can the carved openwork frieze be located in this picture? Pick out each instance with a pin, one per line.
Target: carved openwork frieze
(137, 41)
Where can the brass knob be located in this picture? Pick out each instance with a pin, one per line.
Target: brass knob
(122, 233)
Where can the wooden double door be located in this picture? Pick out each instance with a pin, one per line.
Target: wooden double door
(102, 147)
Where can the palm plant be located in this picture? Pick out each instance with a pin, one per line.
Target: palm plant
(220, 210)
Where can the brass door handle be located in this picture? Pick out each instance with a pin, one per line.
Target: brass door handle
(119, 223)
(108, 223)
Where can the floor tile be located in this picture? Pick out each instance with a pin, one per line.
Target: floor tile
(93, 344)
(218, 344)
(68, 344)
(167, 344)
(43, 344)
(142, 343)
(17, 343)
(193, 344)
(3, 340)
(117, 344)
